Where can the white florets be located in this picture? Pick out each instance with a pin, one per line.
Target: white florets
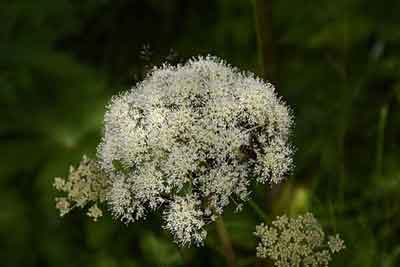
(184, 219)
(85, 185)
(190, 139)
(297, 241)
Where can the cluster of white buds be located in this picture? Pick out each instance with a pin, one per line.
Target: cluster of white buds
(298, 241)
(189, 140)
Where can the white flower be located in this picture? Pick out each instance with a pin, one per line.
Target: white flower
(298, 241)
(336, 244)
(192, 136)
(85, 184)
(184, 219)
(94, 212)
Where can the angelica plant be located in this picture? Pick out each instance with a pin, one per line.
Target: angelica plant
(295, 242)
(188, 141)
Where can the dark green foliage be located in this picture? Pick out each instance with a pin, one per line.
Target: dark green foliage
(338, 67)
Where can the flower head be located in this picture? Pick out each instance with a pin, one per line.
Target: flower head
(201, 127)
(298, 241)
(85, 184)
(189, 140)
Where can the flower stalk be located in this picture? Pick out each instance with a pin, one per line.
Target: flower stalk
(226, 243)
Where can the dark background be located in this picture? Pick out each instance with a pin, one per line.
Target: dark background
(336, 63)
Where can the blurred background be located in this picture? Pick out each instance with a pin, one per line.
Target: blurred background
(336, 63)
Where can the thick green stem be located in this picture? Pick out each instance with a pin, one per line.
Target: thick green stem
(226, 243)
(182, 255)
(263, 20)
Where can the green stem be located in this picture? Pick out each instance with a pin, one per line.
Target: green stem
(263, 21)
(180, 251)
(259, 211)
(226, 243)
(381, 139)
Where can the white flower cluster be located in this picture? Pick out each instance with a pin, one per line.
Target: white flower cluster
(193, 135)
(189, 140)
(299, 241)
(84, 185)
(184, 219)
